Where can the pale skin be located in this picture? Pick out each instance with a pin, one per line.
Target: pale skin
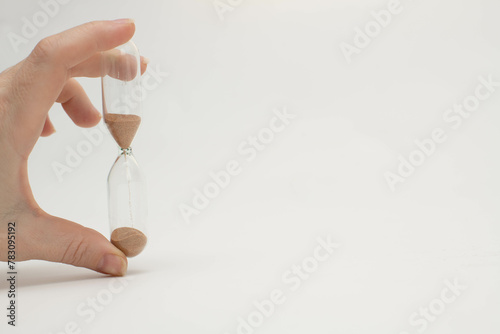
(27, 92)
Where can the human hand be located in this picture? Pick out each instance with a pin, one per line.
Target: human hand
(27, 92)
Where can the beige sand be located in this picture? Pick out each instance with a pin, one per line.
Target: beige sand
(123, 128)
(129, 240)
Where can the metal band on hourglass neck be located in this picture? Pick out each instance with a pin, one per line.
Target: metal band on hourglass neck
(126, 151)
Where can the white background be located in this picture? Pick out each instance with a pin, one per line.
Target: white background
(323, 175)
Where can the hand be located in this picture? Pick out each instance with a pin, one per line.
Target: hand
(27, 92)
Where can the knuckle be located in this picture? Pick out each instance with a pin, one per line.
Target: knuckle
(90, 29)
(75, 252)
(45, 50)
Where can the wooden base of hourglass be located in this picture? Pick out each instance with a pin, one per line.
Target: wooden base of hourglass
(123, 128)
(129, 240)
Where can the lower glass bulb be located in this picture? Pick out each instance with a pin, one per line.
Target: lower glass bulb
(127, 205)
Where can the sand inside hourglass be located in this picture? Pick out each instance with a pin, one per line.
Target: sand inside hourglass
(123, 128)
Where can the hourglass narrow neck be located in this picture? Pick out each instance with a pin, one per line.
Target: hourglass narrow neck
(126, 151)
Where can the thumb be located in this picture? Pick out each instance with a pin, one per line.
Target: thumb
(58, 240)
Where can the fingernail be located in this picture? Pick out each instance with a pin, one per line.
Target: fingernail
(123, 21)
(112, 265)
(145, 60)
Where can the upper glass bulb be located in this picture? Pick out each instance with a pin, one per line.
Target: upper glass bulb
(122, 92)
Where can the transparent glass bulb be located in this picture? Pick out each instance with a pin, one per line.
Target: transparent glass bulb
(122, 92)
(121, 96)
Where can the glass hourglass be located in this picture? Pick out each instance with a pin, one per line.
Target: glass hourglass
(121, 98)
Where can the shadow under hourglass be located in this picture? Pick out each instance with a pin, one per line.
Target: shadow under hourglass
(37, 273)
(51, 273)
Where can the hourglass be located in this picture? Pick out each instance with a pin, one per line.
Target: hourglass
(121, 99)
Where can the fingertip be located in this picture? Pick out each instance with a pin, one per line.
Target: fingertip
(78, 106)
(144, 64)
(128, 26)
(113, 264)
(48, 129)
(94, 119)
(46, 134)
(145, 60)
(84, 119)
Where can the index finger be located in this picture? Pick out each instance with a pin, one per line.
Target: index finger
(40, 79)
(45, 71)
(75, 45)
